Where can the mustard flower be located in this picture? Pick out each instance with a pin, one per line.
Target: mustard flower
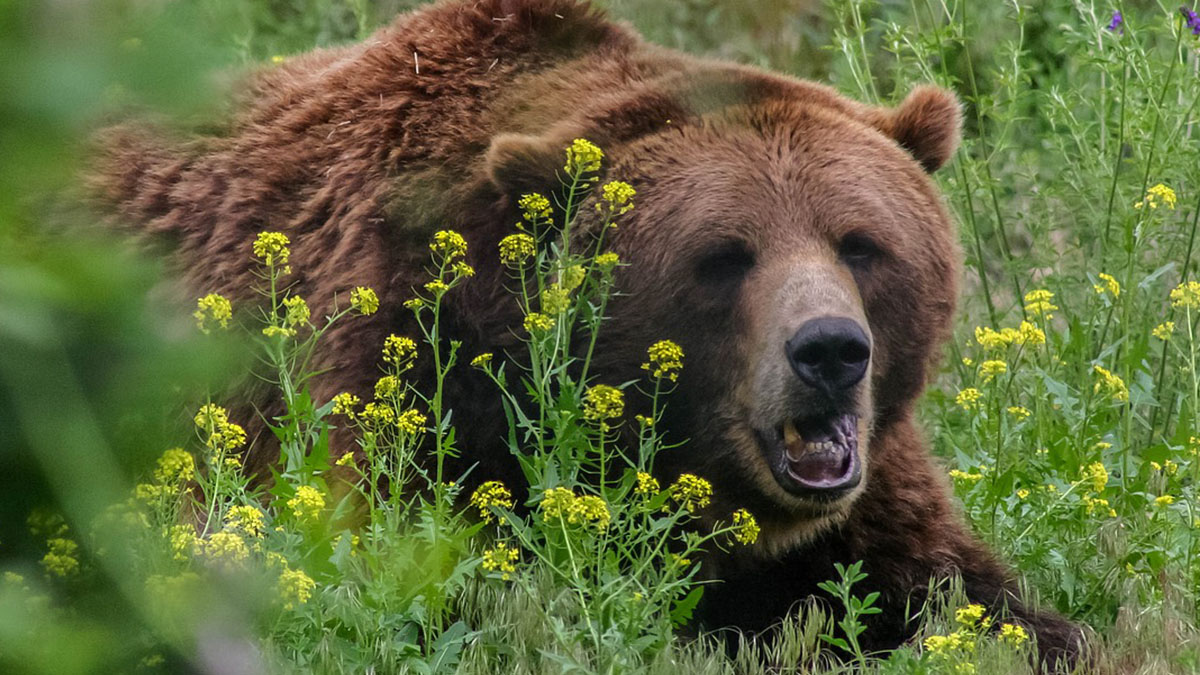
(307, 503)
(345, 403)
(644, 421)
(1110, 384)
(62, 559)
(379, 414)
(1097, 475)
(607, 261)
(969, 616)
(555, 300)
(1186, 294)
(965, 477)
(297, 312)
(583, 156)
(272, 248)
(411, 421)
(616, 198)
(1164, 500)
(992, 368)
(245, 519)
(346, 459)
(223, 435)
(501, 559)
(223, 547)
(991, 339)
(534, 206)
(462, 270)
(746, 528)
(364, 300)
(295, 587)
(414, 304)
(691, 492)
(556, 503)
(1013, 634)
(1109, 285)
(482, 360)
(601, 403)
(145, 492)
(1164, 330)
(666, 360)
(1037, 303)
(515, 249)
(437, 286)
(968, 398)
(491, 494)
(1019, 412)
(1159, 194)
(182, 540)
(398, 350)
(212, 309)
(589, 509)
(571, 277)
(175, 466)
(449, 244)
(537, 323)
(386, 387)
(1022, 493)
(278, 331)
(1029, 334)
(647, 485)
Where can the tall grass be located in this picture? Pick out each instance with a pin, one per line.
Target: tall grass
(1065, 413)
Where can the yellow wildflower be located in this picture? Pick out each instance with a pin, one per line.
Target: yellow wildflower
(223, 547)
(958, 474)
(62, 559)
(379, 414)
(501, 559)
(538, 323)
(534, 206)
(1164, 500)
(345, 403)
(346, 459)
(570, 278)
(583, 157)
(666, 359)
(182, 540)
(1158, 194)
(647, 485)
(608, 261)
(968, 398)
(364, 300)
(492, 494)
(969, 616)
(589, 509)
(307, 504)
(297, 312)
(175, 466)
(212, 309)
(1019, 412)
(386, 387)
(278, 331)
(555, 300)
(1022, 493)
(515, 249)
(1186, 294)
(482, 360)
(1110, 384)
(1029, 334)
(992, 368)
(245, 519)
(295, 587)
(991, 339)
(644, 421)
(745, 527)
(272, 248)
(1097, 475)
(148, 493)
(448, 244)
(691, 492)
(1037, 303)
(601, 403)
(616, 198)
(1164, 330)
(411, 421)
(1109, 285)
(556, 503)
(462, 269)
(1013, 634)
(398, 350)
(437, 286)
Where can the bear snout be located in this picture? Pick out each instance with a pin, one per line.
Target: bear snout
(829, 354)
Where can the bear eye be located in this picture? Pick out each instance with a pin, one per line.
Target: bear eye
(858, 250)
(725, 264)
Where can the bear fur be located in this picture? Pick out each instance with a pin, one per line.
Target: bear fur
(761, 200)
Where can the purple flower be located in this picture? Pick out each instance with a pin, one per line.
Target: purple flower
(1193, 21)
(1115, 24)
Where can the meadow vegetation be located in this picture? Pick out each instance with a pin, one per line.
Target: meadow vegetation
(1065, 414)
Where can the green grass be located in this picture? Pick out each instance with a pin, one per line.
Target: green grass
(1087, 482)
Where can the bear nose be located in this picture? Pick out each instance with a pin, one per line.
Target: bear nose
(829, 353)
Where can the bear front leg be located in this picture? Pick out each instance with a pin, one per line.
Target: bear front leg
(906, 531)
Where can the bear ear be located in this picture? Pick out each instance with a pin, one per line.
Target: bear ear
(928, 124)
(519, 164)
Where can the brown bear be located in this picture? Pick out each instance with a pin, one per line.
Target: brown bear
(789, 239)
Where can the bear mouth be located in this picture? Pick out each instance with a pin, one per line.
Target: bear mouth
(816, 456)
